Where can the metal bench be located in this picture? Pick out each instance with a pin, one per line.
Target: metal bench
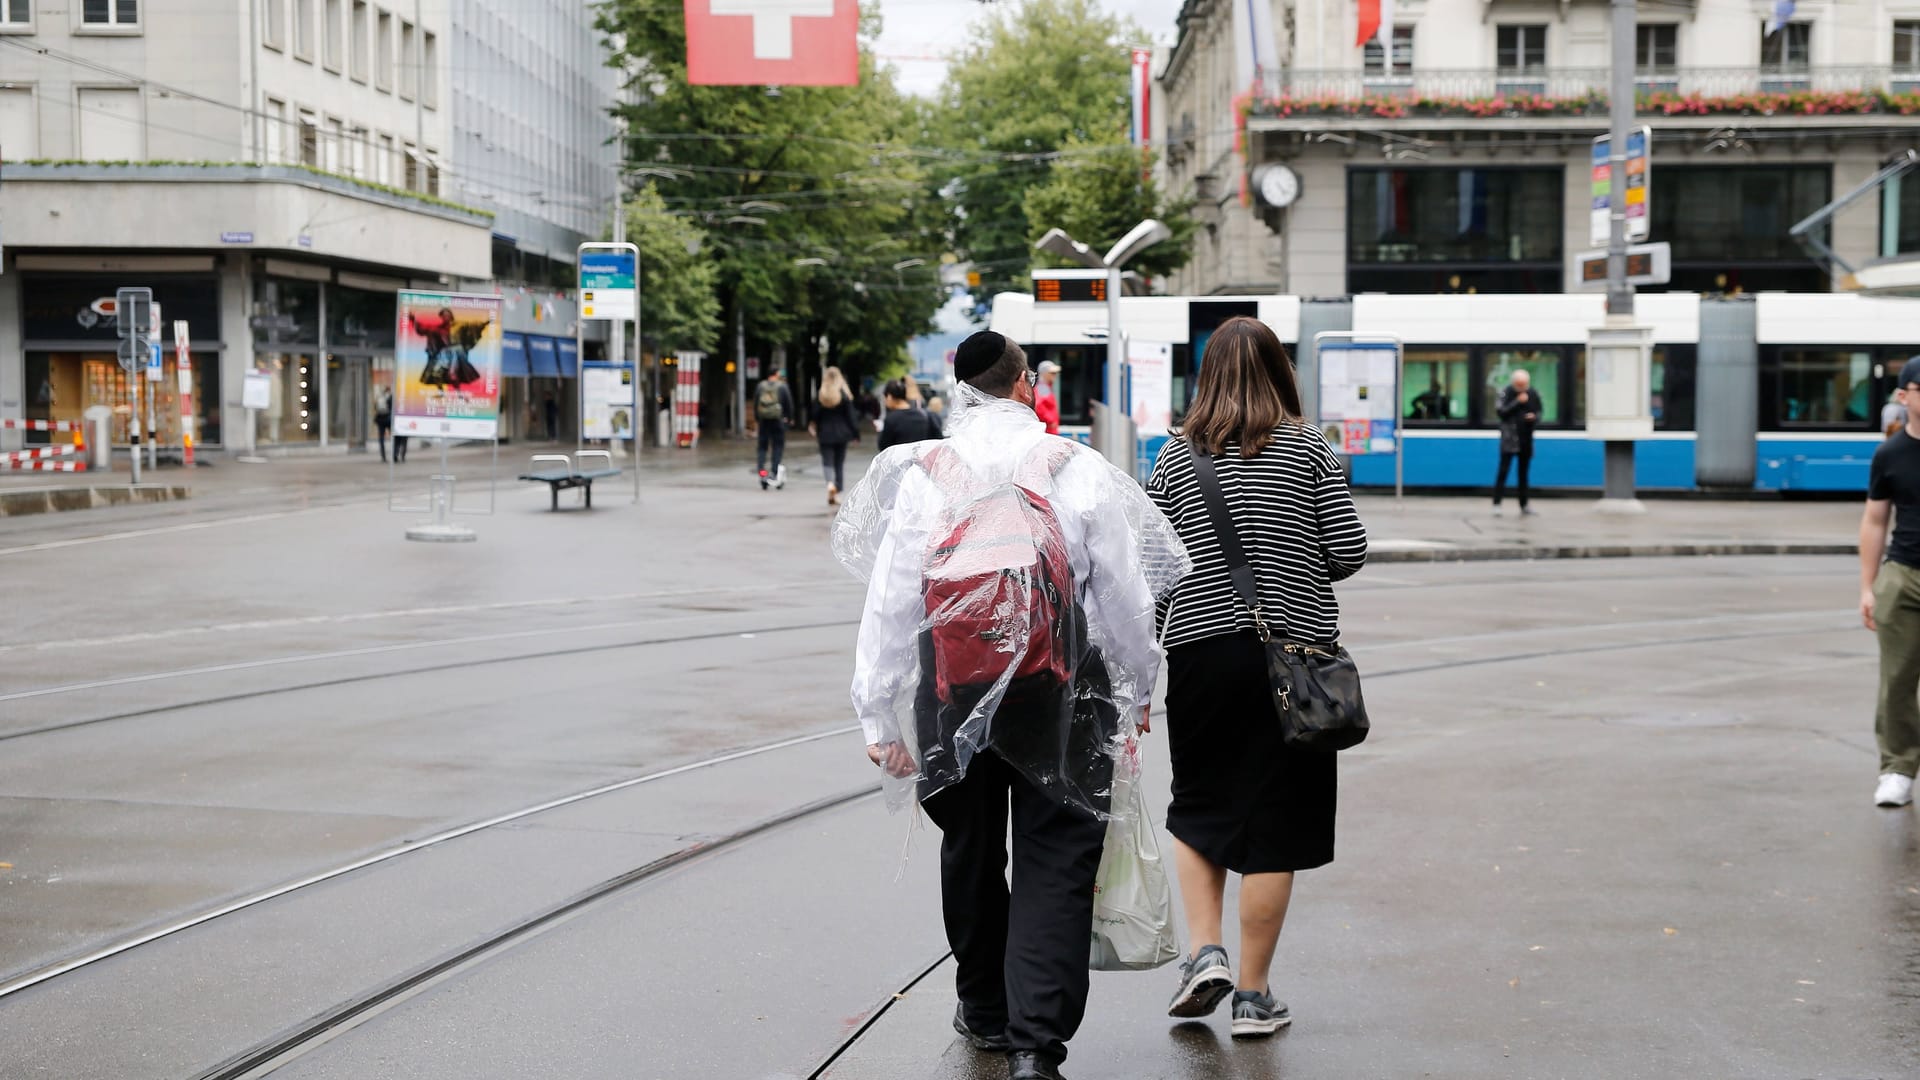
(572, 473)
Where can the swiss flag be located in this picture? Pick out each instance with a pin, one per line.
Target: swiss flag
(773, 42)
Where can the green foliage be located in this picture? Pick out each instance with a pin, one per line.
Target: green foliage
(681, 309)
(1097, 197)
(1034, 80)
(772, 176)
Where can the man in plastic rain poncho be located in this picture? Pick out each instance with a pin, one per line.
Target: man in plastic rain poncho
(1006, 655)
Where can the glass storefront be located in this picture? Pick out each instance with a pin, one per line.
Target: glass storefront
(328, 351)
(1729, 226)
(1430, 230)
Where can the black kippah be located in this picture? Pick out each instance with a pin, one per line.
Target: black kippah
(1909, 374)
(978, 353)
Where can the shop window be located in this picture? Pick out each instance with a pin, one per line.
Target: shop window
(1435, 386)
(1438, 215)
(63, 385)
(1821, 388)
(1900, 211)
(1543, 365)
(1722, 215)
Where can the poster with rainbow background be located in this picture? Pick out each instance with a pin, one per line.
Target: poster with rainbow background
(447, 365)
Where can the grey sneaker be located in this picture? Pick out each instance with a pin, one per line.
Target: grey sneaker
(1256, 1016)
(1205, 981)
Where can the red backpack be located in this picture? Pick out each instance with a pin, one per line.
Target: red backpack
(999, 587)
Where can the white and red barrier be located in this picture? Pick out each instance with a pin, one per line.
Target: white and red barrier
(44, 465)
(40, 458)
(78, 426)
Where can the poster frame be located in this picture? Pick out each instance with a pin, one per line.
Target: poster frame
(1351, 339)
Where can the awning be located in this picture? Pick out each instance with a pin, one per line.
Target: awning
(513, 356)
(569, 359)
(543, 359)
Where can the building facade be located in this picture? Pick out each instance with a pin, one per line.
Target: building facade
(273, 169)
(1458, 160)
(533, 140)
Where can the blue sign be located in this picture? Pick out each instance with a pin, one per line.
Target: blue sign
(236, 238)
(153, 361)
(608, 289)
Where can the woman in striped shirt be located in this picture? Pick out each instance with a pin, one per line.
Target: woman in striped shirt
(1243, 801)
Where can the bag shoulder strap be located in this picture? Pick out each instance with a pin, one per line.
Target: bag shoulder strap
(1229, 537)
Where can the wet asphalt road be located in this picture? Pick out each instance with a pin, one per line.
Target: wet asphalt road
(1614, 821)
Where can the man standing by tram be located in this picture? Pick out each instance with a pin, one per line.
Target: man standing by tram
(1890, 594)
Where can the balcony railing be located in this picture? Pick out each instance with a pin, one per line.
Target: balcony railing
(1578, 91)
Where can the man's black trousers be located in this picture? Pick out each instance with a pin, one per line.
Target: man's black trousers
(773, 436)
(1021, 959)
(1525, 457)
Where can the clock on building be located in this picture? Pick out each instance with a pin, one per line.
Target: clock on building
(1279, 186)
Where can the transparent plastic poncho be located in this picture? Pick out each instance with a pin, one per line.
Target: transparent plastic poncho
(1011, 579)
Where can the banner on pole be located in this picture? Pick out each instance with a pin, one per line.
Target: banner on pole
(447, 365)
(1150, 366)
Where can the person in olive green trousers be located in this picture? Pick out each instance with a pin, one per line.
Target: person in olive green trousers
(1890, 594)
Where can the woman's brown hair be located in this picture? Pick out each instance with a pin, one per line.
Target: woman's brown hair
(1246, 389)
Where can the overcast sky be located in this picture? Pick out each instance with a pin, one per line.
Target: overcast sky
(915, 29)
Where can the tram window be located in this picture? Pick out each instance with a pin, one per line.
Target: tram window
(1671, 403)
(1542, 364)
(1435, 386)
(1825, 388)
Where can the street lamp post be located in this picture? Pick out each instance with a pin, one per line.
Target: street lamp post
(1116, 434)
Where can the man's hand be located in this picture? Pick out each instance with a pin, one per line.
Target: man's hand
(1866, 607)
(892, 757)
(1531, 417)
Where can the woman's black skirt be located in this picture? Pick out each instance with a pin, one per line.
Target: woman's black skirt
(1241, 797)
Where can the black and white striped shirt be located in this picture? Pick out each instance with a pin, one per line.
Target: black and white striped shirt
(1296, 521)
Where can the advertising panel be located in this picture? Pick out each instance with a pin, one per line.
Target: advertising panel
(606, 399)
(1359, 395)
(1151, 366)
(447, 365)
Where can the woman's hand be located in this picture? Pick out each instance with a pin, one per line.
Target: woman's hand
(1146, 719)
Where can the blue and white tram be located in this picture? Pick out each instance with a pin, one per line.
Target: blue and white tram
(1776, 392)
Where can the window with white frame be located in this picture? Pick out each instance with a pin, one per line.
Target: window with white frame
(1656, 48)
(430, 166)
(383, 52)
(333, 45)
(357, 42)
(357, 150)
(110, 13)
(309, 139)
(409, 64)
(383, 160)
(276, 123)
(16, 15)
(1906, 44)
(429, 70)
(19, 123)
(1521, 49)
(330, 150)
(303, 29)
(1789, 48)
(409, 167)
(111, 127)
(1375, 57)
(273, 24)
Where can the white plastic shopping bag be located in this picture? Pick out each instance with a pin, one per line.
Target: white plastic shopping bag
(1132, 902)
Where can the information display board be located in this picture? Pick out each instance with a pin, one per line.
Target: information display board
(447, 365)
(1150, 366)
(609, 285)
(606, 400)
(1360, 394)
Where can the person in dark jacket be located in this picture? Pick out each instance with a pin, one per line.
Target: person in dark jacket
(836, 422)
(1519, 410)
(906, 422)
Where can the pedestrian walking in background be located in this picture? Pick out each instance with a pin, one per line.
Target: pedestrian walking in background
(1243, 800)
(383, 418)
(835, 423)
(1893, 415)
(773, 411)
(1047, 404)
(870, 408)
(1519, 411)
(1003, 534)
(1890, 594)
(552, 410)
(903, 422)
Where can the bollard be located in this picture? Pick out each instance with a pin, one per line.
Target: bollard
(100, 437)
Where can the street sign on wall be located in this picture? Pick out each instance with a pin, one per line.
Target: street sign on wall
(1638, 187)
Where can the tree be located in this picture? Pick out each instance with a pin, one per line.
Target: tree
(1097, 194)
(1033, 81)
(680, 307)
(802, 192)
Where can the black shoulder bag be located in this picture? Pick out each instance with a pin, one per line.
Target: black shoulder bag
(1316, 688)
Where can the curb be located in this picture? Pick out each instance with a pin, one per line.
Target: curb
(49, 500)
(1440, 553)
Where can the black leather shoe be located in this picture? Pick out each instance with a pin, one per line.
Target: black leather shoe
(1030, 1065)
(995, 1043)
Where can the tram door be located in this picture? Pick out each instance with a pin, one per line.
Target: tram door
(1203, 318)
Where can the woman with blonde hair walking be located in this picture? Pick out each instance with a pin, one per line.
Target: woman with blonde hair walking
(1243, 799)
(835, 422)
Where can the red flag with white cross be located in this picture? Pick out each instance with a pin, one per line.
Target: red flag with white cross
(773, 42)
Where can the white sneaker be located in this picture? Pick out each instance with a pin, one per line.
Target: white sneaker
(780, 477)
(1894, 790)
